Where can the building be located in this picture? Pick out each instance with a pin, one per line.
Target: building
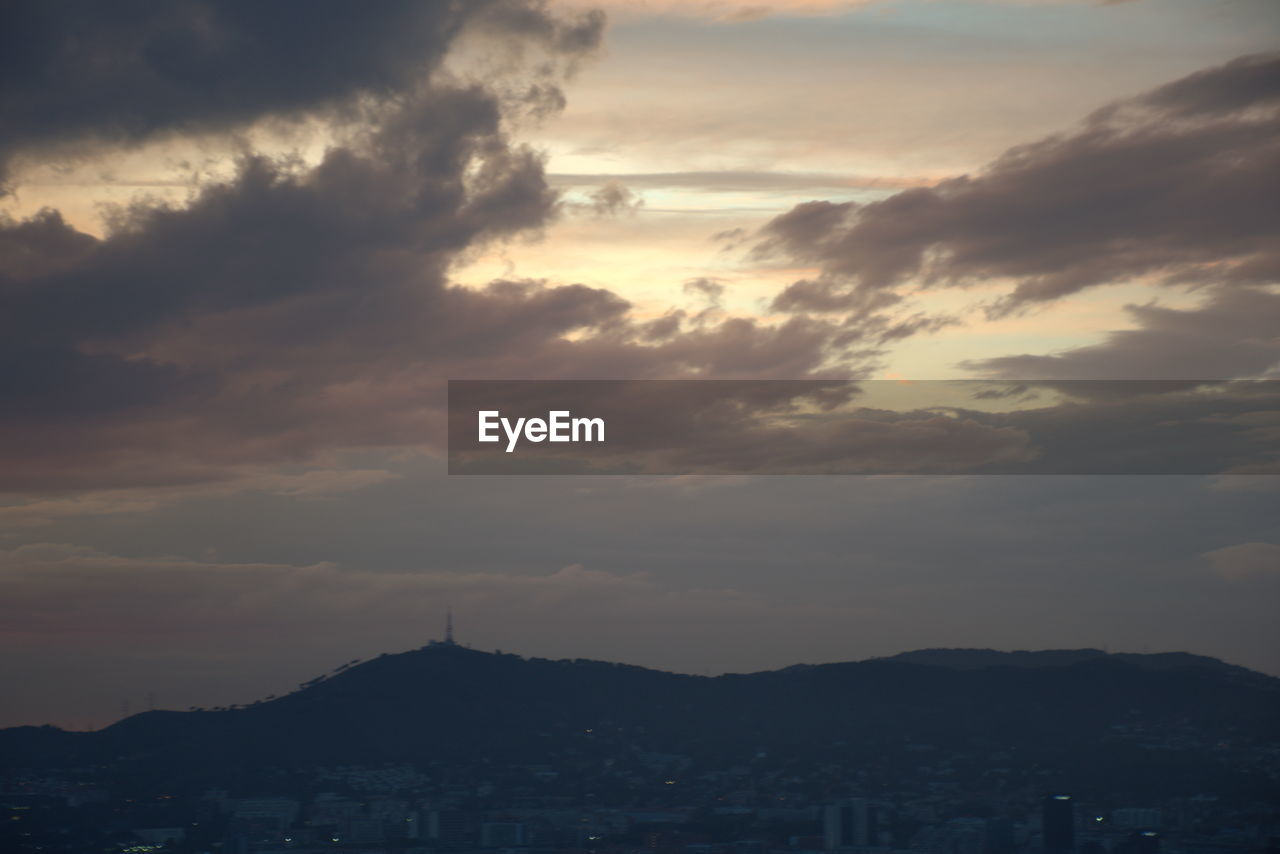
(1140, 842)
(450, 827)
(501, 834)
(1058, 825)
(853, 823)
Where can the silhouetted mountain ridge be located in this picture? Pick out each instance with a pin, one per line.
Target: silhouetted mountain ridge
(453, 705)
(969, 659)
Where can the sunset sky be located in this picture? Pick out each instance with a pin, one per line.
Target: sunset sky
(243, 246)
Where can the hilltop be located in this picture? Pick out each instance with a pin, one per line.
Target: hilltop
(1076, 712)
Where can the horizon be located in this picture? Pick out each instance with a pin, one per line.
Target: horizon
(442, 645)
(246, 248)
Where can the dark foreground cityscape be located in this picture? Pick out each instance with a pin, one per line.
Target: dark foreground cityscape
(448, 749)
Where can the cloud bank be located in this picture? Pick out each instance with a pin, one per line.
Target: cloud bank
(1175, 187)
(296, 308)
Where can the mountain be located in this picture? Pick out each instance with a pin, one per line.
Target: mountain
(1171, 720)
(972, 659)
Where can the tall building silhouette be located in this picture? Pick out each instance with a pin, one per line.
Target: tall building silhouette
(850, 823)
(1058, 826)
(999, 836)
(1139, 842)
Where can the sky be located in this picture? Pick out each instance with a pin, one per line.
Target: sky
(244, 246)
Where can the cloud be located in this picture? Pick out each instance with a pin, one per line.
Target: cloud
(81, 74)
(1177, 427)
(313, 484)
(728, 10)
(1246, 561)
(293, 309)
(1250, 81)
(54, 588)
(1172, 186)
(279, 251)
(1235, 333)
(738, 11)
(706, 287)
(614, 199)
(741, 181)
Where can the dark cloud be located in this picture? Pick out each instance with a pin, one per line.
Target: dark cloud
(38, 246)
(709, 288)
(826, 296)
(82, 73)
(527, 23)
(1236, 333)
(1178, 185)
(614, 199)
(295, 309)
(1250, 81)
(1152, 428)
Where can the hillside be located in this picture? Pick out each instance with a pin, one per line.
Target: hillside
(1158, 720)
